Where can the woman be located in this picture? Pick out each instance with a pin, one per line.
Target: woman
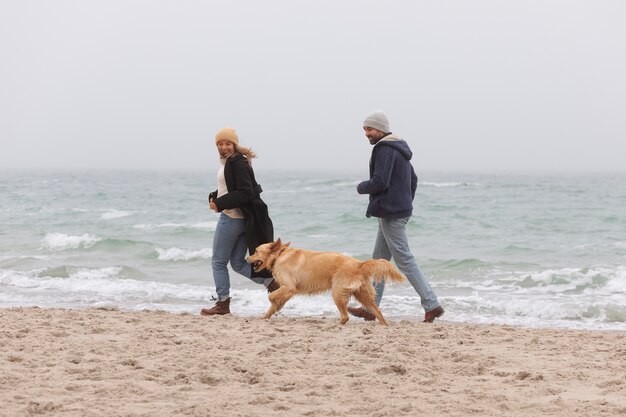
(244, 221)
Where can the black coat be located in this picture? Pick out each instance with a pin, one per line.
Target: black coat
(244, 194)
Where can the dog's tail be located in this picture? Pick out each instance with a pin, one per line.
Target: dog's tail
(381, 269)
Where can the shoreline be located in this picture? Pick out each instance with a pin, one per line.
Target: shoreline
(108, 362)
(285, 313)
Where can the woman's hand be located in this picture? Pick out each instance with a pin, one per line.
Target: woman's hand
(212, 205)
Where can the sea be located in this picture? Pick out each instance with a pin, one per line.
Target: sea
(521, 249)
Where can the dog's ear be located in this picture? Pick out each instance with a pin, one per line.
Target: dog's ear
(287, 244)
(276, 245)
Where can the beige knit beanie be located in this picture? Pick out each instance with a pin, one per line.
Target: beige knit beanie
(227, 133)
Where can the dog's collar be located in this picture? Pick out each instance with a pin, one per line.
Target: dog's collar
(270, 267)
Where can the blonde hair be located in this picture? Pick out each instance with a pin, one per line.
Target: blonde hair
(247, 152)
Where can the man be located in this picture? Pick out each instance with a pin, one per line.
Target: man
(244, 220)
(391, 188)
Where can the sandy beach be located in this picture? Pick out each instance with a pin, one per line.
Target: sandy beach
(102, 362)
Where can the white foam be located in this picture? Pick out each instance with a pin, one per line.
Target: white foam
(158, 226)
(576, 302)
(176, 254)
(16, 279)
(200, 225)
(87, 286)
(116, 214)
(448, 184)
(61, 241)
(254, 303)
(38, 257)
(617, 284)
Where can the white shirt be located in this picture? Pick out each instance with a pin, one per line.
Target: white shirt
(234, 213)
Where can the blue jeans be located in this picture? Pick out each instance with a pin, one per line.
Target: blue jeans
(229, 244)
(391, 241)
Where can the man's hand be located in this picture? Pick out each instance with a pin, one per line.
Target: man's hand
(212, 205)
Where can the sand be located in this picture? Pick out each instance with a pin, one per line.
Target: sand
(102, 362)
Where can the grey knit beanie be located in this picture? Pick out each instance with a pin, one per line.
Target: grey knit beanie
(378, 121)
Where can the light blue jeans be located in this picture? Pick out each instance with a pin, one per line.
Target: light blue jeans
(392, 241)
(229, 244)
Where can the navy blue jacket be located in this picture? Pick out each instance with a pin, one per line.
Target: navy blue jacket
(392, 182)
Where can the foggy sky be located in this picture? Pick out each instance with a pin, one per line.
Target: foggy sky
(471, 85)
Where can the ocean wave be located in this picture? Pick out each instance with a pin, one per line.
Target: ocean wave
(572, 297)
(550, 281)
(94, 286)
(464, 264)
(448, 184)
(131, 247)
(346, 184)
(64, 278)
(572, 279)
(61, 271)
(536, 313)
(23, 257)
(200, 225)
(176, 254)
(58, 242)
(116, 214)
(110, 286)
(61, 241)
(321, 236)
(316, 186)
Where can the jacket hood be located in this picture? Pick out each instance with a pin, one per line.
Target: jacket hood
(397, 143)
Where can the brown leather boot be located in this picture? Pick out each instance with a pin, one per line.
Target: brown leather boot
(274, 285)
(220, 308)
(433, 314)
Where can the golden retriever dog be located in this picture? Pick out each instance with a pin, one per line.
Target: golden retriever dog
(300, 271)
